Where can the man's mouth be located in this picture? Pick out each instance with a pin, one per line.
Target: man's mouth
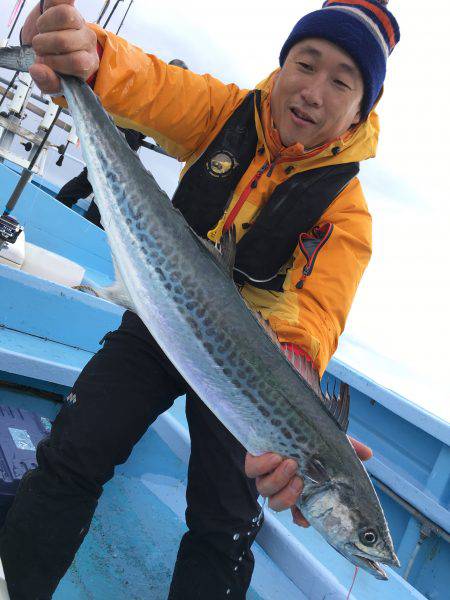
(301, 116)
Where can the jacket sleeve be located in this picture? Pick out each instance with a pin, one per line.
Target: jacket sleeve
(321, 284)
(174, 106)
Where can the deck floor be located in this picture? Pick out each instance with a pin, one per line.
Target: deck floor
(131, 548)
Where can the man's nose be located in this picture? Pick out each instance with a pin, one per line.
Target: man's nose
(312, 93)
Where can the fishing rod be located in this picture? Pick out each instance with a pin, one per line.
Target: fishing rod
(10, 85)
(124, 17)
(105, 24)
(19, 12)
(27, 173)
(6, 41)
(103, 11)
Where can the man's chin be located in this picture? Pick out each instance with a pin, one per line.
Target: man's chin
(291, 138)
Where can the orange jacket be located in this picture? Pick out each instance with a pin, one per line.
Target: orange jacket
(183, 112)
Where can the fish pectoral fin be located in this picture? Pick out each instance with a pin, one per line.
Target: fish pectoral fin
(316, 472)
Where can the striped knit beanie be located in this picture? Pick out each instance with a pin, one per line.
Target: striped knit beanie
(365, 29)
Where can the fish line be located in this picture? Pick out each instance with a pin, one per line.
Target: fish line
(353, 583)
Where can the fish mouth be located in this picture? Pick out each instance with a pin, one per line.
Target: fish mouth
(372, 566)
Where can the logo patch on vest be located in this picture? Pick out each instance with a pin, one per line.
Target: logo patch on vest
(221, 164)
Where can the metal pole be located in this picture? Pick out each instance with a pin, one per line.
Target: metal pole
(124, 17)
(27, 174)
(10, 84)
(37, 97)
(105, 25)
(103, 11)
(19, 12)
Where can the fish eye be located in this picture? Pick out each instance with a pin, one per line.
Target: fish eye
(368, 537)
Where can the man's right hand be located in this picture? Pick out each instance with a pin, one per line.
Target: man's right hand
(276, 479)
(62, 42)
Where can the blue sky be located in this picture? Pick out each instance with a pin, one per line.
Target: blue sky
(398, 332)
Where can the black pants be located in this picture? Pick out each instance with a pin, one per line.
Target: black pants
(93, 215)
(120, 392)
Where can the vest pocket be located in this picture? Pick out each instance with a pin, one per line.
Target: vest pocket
(310, 245)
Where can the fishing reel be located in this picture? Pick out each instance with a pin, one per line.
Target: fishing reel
(9, 230)
(12, 242)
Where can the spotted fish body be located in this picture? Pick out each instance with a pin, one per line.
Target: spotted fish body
(191, 306)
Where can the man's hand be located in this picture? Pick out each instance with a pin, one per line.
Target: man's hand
(62, 42)
(276, 479)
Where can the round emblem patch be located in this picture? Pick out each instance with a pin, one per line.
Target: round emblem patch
(221, 164)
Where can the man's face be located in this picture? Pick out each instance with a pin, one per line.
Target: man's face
(317, 94)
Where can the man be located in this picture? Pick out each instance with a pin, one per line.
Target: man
(278, 163)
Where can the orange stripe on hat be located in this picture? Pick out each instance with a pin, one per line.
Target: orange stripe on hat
(377, 11)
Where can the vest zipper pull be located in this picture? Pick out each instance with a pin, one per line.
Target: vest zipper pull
(258, 175)
(272, 167)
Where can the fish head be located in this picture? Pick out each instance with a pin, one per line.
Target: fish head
(364, 539)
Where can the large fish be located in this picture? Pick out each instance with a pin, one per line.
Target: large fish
(184, 294)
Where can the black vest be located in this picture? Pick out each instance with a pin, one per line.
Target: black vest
(294, 207)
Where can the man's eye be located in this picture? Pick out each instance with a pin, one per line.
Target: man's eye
(306, 66)
(341, 83)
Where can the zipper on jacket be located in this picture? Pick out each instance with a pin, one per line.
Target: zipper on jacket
(272, 167)
(322, 234)
(280, 159)
(245, 194)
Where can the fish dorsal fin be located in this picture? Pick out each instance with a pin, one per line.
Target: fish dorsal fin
(299, 362)
(224, 252)
(267, 328)
(227, 249)
(339, 406)
(305, 368)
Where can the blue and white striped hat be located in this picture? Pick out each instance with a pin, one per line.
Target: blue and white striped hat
(365, 29)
